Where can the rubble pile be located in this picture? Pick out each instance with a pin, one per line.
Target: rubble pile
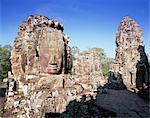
(131, 61)
(41, 80)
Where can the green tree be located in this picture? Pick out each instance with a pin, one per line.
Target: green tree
(105, 61)
(5, 52)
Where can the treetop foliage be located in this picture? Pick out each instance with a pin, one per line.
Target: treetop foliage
(5, 53)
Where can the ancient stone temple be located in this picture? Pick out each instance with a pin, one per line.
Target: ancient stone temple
(40, 47)
(131, 61)
(88, 67)
(88, 63)
(41, 83)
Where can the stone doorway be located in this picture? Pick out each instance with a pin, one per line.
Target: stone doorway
(52, 115)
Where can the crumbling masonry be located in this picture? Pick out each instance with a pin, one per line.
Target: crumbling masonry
(131, 61)
(41, 82)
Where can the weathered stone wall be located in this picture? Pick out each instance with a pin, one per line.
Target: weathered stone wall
(88, 63)
(88, 66)
(37, 37)
(130, 54)
(41, 65)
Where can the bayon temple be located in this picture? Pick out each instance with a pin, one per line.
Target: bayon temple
(131, 62)
(44, 78)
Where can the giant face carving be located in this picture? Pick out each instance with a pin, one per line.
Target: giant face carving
(51, 51)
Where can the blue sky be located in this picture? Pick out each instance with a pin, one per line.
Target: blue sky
(89, 23)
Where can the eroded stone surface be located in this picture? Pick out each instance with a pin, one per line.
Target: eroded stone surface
(131, 61)
(40, 47)
(88, 63)
(41, 82)
(41, 65)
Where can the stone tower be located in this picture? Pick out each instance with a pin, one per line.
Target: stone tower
(40, 53)
(41, 84)
(40, 47)
(130, 61)
(88, 63)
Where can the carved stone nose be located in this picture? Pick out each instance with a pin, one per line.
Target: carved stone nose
(53, 61)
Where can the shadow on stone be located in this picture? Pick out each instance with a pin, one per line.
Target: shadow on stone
(142, 74)
(52, 115)
(2, 92)
(86, 109)
(115, 81)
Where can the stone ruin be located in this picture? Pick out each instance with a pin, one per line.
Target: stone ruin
(88, 63)
(40, 47)
(44, 78)
(88, 66)
(41, 82)
(131, 63)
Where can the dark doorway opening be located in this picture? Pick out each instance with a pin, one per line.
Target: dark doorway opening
(131, 78)
(52, 115)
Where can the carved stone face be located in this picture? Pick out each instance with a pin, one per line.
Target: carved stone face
(51, 50)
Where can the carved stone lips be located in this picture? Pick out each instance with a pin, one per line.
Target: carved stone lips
(52, 68)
